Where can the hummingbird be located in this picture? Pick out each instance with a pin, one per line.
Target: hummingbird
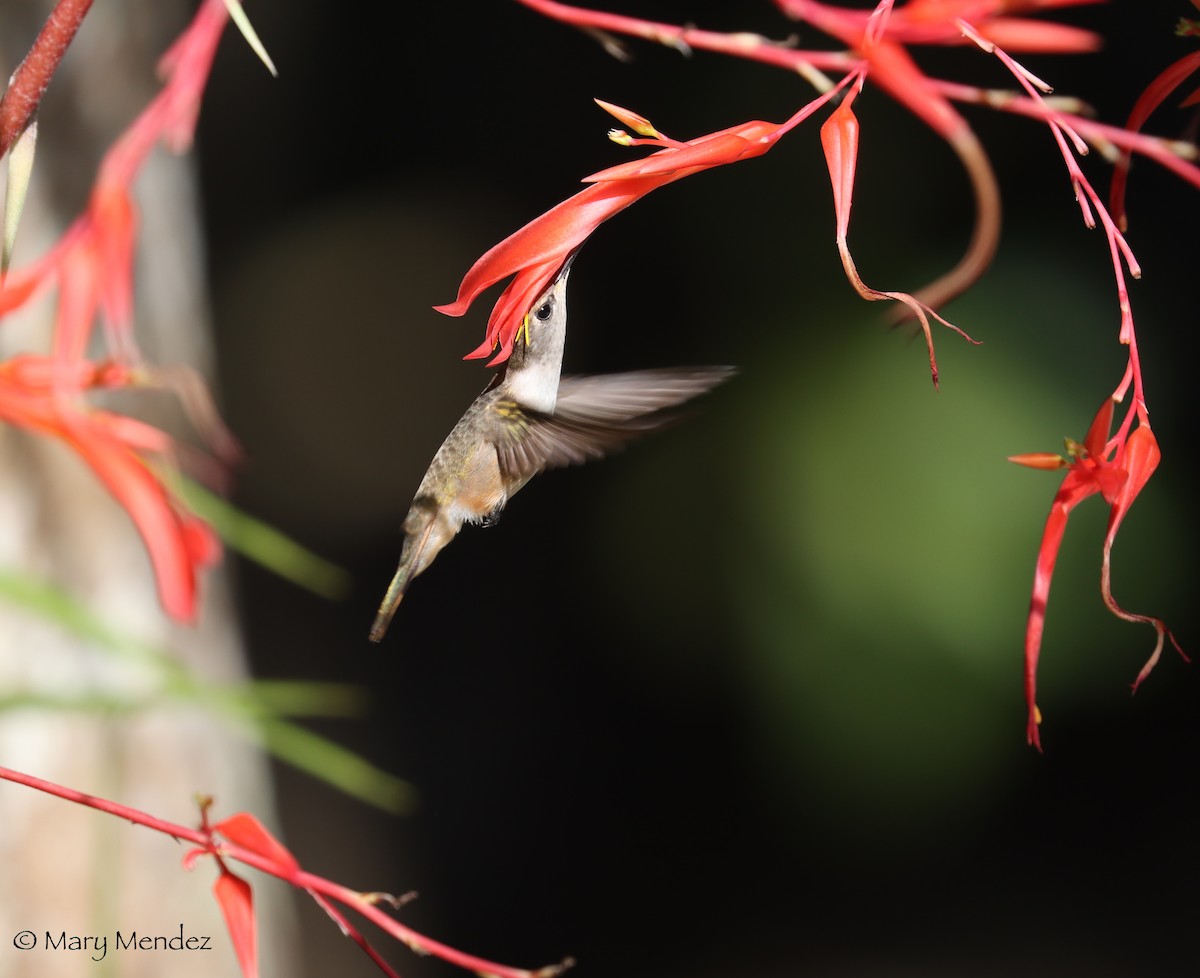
(530, 418)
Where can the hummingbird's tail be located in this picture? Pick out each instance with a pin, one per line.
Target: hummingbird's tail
(410, 566)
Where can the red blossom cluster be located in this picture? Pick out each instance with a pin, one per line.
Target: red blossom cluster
(91, 266)
(877, 51)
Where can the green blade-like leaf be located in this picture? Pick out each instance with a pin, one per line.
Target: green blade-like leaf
(264, 544)
(254, 708)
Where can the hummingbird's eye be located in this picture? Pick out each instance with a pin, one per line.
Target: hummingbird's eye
(544, 311)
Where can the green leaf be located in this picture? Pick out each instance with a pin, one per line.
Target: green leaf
(349, 772)
(254, 708)
(264, 544)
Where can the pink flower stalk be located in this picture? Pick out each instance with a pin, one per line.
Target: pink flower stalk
(1090, 205)
(243, 838)
(534, 254)
(92, 267)
(1117, 470)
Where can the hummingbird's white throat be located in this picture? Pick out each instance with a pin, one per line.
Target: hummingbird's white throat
(534, 383)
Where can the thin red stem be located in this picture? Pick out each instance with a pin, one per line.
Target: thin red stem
(1165, 152)
(749, 46)
(986, 233)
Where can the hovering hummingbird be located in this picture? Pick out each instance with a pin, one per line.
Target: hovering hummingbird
(526, 420)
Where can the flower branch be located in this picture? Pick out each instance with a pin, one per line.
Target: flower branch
(242, 838)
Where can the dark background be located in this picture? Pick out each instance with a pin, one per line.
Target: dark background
(745, 699)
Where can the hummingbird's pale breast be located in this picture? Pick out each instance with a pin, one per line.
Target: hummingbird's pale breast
(529, 419)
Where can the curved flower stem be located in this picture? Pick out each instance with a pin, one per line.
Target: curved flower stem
(985, 235)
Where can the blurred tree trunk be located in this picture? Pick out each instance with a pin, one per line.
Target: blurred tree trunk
(64, 868)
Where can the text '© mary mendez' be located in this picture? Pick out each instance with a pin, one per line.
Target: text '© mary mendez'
(97, 945)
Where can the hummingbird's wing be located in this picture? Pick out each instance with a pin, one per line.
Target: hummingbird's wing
(595, 415)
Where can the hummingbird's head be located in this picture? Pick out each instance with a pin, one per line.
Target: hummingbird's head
(554, 296)
(539, 343)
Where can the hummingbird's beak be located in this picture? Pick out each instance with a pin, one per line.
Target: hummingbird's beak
(566, 267)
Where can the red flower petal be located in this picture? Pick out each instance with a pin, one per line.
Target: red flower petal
(839, 140)
(237, 906)
(143, 496)
(1075, 488)
(1097, 435)
(114, 223)
(536, 252)
(245, 830)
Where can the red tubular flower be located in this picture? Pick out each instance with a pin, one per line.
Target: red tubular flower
(535, 253)
(839, 140)
(44, 396)
(1118, 479)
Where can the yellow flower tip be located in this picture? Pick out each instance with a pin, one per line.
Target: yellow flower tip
(620, 137)
(638, 123)
(1037, 715)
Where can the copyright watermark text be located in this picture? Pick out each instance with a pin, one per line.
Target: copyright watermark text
(97, 946)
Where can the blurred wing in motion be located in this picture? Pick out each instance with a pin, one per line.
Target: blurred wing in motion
(598, 414)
